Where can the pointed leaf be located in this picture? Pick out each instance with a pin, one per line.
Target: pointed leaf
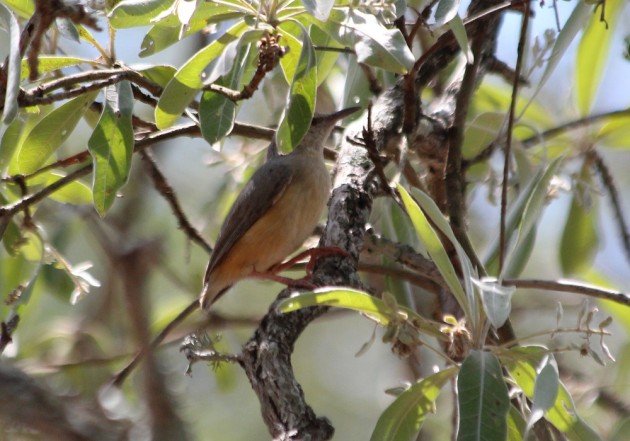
(574, 24)
(373, 43)
(181, 90)
(300, 107)
(456, 26)
(445, 11)
(130, 13)
(342, 298)
(593, 53)
(216, 111)
(545, 392)
(12, 90)
(483, 399)
(320, 9)
(111, 146)
(434, 247)
(402, 419)
(75, 193)
(10, 142)
(49, 133)
(579, 237)
(49, 63)
(522, 362)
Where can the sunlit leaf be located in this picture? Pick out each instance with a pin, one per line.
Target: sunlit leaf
(300, 106)
(49, 63)
(497, 300)
(521, 363)
(326, 60)
(320, 9)
(111, 146)
(483, 399)
(130, 13)
(187, 82)
(373, 43)
(402, 419)
(593, 52)
(615, 132)
(341, 298)
(10, 142)
(75, 193)
(50, 132)
(480, 132)
(515, 425)
(290, 33)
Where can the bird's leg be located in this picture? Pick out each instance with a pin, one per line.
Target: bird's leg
(291, 283)
(313, 253)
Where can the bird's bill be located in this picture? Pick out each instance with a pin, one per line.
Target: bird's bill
(335, 116)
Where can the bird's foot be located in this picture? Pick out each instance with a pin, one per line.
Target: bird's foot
(314, 254)
(303, 283)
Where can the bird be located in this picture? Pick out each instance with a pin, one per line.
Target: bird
(275, 212)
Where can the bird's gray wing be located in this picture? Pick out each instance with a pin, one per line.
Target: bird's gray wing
(261, 192)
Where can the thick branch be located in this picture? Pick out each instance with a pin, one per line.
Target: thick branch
(26, 404)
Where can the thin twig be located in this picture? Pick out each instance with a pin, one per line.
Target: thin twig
(571, 287)
(609, 184)
(121, 376)
(166, 190)
(571, 125)
(510, 127)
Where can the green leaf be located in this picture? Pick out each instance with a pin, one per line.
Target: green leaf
(290, 31)
(456, 25)
(217, 112)
(12, 90)
(341, 298)
(434, 247)
(522, 362)
(483, 399)
(515, 425)
(524, 213)
(536, 201)
(10, 142)
(497, 300)
(593, 52)
(446, 10)
(111, 146)
(49, 133)
(320, 9)
(159, 74)
(615, 132)
(519, 258)
(373, 43)
(579, 237)
(131, 13)
(181, 90)
(75, 193)
(298, 113)
(23, 8)
(574, 24)
(481, 132)
(326, 60)
(402, 419)
(49, 63)
(545, 392)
